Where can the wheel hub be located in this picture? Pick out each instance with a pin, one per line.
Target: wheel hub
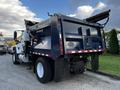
(40, 70)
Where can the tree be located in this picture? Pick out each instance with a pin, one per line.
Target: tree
(113, 42)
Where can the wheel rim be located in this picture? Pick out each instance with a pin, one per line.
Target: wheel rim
(40, 70)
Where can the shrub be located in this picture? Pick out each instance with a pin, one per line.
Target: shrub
(113, 42)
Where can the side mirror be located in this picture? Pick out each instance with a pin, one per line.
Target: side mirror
(15, 35)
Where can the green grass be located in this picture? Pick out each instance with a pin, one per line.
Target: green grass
(110, 64)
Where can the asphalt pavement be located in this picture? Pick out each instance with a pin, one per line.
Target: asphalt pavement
(14, 77)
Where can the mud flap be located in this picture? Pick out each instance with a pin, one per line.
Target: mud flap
(58, 70)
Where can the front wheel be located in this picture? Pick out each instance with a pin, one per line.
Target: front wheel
(15, 58)
(43, 70)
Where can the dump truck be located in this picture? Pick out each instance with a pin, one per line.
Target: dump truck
(62, 44)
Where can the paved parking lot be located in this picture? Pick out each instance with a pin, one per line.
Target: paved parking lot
(19, 78)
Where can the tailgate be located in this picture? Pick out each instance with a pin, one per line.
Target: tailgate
(82, 38)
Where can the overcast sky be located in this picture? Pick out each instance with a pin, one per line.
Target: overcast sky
(13, 12)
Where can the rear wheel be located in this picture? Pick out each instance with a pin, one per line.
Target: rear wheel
(95, 62)
(15, 58)
(82, 67)
(43, 70)
(78, 68)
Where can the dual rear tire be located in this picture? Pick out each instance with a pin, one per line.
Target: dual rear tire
(95, 63)
(78, 68)
(43, 70)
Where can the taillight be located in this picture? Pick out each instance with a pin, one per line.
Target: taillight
(84, 51)
(61, 44)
